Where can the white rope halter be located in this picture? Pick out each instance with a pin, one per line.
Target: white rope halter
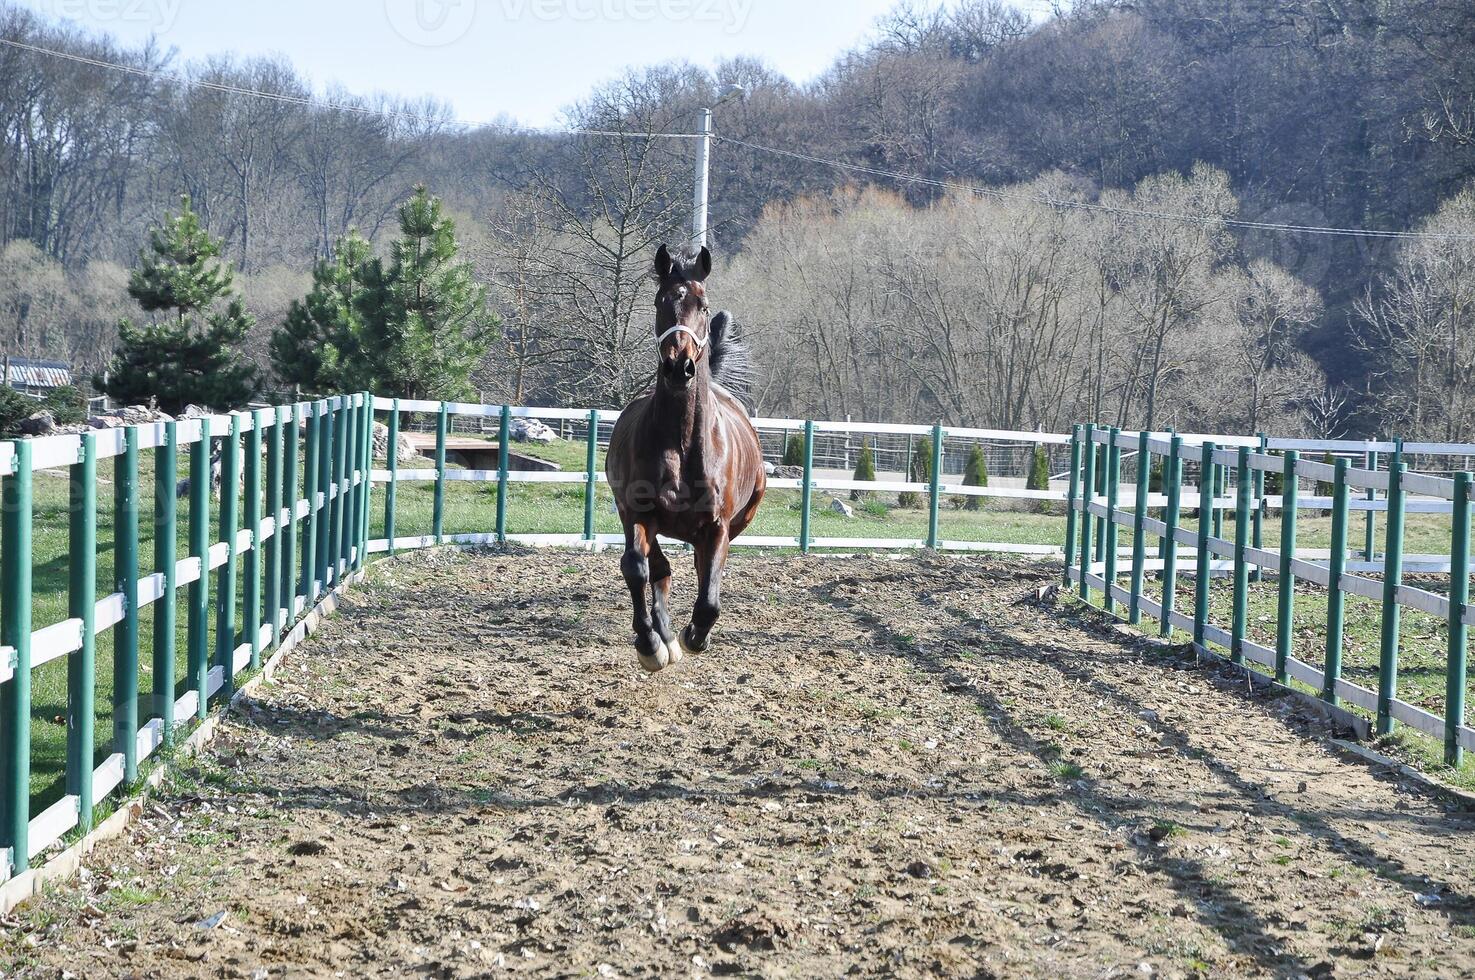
(701, 342)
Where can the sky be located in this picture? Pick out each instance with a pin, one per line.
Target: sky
(521, 59)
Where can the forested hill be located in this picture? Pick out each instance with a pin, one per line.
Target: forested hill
(1356, 113)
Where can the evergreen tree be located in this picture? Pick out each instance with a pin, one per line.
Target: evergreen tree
(317, 346)
(794, 450)
(426, 324)
(1039, 470)
(414, 328)
(921, 473)
(865, 468)
(975, 474)
(191, 352)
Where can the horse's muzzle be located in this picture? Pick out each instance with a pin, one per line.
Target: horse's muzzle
(679, 371)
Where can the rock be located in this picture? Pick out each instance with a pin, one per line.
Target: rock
(195, 412)
(841, 507)
(406, 449)
(768, 467)
(531, 430)
(105, 422)
(789, 472)
(41, 423)
(132, 415)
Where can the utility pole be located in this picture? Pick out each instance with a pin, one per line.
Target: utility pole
(704, 159)
(699, 190)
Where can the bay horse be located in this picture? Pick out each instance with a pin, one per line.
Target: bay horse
(684, 461)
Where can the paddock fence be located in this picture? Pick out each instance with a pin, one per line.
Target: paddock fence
(253, 568)
(1178, 531)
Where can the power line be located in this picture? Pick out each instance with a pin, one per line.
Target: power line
(1089, 206)
(999, 193)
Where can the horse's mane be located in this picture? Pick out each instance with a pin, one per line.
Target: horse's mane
(731, 365)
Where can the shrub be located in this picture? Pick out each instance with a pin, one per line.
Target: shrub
(975, 474)
(66, 405)
(1039, 470)
(865, 469)
(921, 472)
(14, 408)
(794, 450)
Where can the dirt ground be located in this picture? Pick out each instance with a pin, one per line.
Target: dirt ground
(883, 767)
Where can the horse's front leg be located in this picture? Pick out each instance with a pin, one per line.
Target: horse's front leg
(660, 592)
(650, 646)
(711, 557)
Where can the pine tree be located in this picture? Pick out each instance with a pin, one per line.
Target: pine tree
(975, 474)
(415, 327)
(426, 324)
(865, 468)
(318, 345)
(191, 352)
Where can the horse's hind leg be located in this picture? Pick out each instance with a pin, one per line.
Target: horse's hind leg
(660, 592)
(650, 646)
(711, 556)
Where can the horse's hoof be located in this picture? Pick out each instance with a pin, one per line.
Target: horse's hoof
(689, 646)
(674, 653)
(653, 663)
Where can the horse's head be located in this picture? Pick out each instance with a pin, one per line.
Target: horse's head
(683, 318)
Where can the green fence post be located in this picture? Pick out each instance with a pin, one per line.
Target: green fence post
(15, 632)
(197, 637)
(1257, 529)
(313, 488)
(806, 489)
(1070, 500)
(251, 564)
(125, 577)
(1369, 550)
(504, 434)
(366, 479)
(359, 477)
(1088, 491)
(82, 605)
(1335, 598)
(272, 576)
(1103, 454)
(166, 480)
(1113, 540)
(1221, 484)
(1285, 610)
(1173, 483)
(328, 485)
(289, 517)
(1202, 563)
(391, 489)
(225, 586)
(1459, 597)
(591, 477)
(934, 500)
(1139, 531)
(343, 513)
(1392, 579)
(442, 426)
(1244, 485)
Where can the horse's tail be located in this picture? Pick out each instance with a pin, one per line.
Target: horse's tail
(732, 367)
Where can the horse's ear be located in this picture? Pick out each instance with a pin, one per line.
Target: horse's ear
(704, 265)
(663, 263)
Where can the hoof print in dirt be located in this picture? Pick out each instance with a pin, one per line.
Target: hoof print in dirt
(752, 930)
